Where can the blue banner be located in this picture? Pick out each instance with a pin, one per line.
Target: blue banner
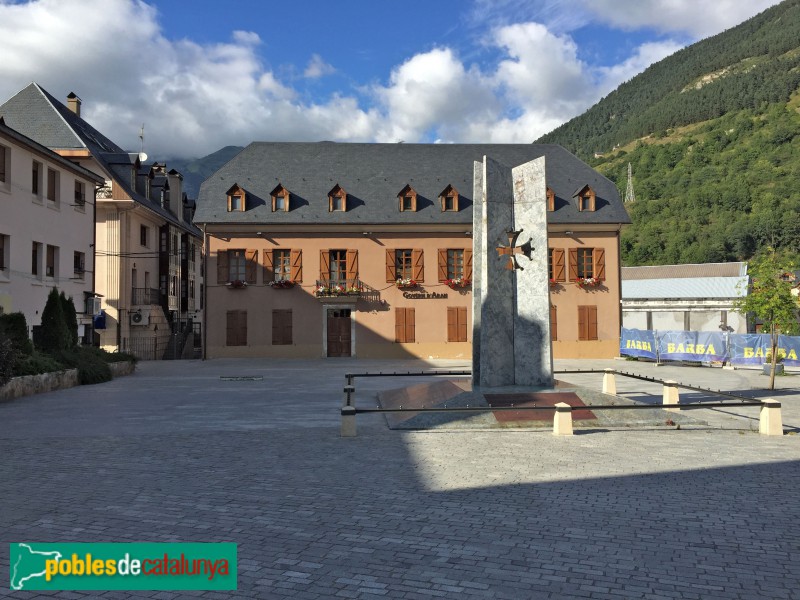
(638, 342)
(752, 349)
(700, 346)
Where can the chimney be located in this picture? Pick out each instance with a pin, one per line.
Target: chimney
(74, 103)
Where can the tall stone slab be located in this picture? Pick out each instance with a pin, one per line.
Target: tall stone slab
(511, 308)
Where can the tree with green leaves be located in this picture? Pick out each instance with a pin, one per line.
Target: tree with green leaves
(769, 298)
(55, 332)
(71, 317)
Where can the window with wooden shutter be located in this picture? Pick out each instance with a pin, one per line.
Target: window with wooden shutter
(337, 199)
(449, 199)
(236, 330)
(352, 265)
(267, 266)
(251, 267)
(557, 271)
(468, 264)
(297, 265)
(587, 322)
(585, 262)
(281, 264)
(407, 199)
(573, 264)
(553, 324)
(280, 199)
(418, 260)
(404, 325)
(456, 323)
(324, 266)
(282, 327)
(442, 265)
(222, 266)
(599, 259)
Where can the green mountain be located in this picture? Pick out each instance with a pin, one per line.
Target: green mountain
(713, 137)
(197, 170)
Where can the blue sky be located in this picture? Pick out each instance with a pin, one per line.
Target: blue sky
(201, 74)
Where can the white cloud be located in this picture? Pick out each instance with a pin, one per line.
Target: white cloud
(318, 68)
(645, 55)
(699, 19)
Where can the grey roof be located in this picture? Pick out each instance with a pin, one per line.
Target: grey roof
(684, 288)
(38, 115)
(732, 269)
(374, 174)
(8, 132)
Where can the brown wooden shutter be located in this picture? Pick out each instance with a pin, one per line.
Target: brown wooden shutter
(352, 265)
(324, 266)
(468, 264)
(573, 264)
(282, 327)
(418, 261)
(581, 322)
(231, 328)
(242, 336)
(462, 323)
(442, 265)
(222, 266)
(599, 266)
(251, 265)
(553, 323)
(268, 266)
(399, 324)
(391, 268)
(591, 322)
(559, 273)
(452, 324)
(296, 258)
(410, 326)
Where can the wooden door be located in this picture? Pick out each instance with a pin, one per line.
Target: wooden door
(339, 342)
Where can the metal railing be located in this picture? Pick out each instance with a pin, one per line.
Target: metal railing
(145, 297)
(338, 287)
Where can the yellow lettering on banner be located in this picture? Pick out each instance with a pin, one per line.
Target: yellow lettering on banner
(50, 569)
(748, 353)
(760, 353)
(64, 567)
(710, 349)
(700, 349)
(97, 566)
(791, 355)
(670, 348)
(111, 567)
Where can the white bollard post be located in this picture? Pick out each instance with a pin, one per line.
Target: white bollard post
(609, 382)
(348, 421)
(562, 420)
(671, 395)
(770, 422)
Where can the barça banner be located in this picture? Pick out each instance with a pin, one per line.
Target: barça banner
(700, 346)
(752, 349)
(638, 342)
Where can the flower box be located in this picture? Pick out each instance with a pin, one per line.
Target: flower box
(281, 285)
(236, 285)
(589, 282)
(457, 283)
(406, 284)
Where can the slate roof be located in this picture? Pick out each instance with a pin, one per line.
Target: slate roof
(37, 114)
(374, 174)
(684, 282)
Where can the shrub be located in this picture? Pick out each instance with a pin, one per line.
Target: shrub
(91, 368)
(35, 363)
(55, 334)
(110, 357)
(6, 359)
(15, 328)
(70, 318)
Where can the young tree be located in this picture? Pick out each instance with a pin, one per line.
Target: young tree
(71, 318)
(55, 333)
(769, 298)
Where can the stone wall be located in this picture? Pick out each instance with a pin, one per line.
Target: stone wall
(49, 382)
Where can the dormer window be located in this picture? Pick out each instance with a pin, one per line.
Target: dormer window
(551, 199)
(449, 199)
(407, 199)
(280, 199)
(586, 199)
(337, 199)
(236, 199)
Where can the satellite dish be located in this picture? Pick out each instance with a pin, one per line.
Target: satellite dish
(142, 157)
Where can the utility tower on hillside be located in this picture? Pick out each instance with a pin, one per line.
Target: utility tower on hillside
(630, 196)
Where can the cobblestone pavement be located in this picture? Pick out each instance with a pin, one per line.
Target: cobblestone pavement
(174, 453)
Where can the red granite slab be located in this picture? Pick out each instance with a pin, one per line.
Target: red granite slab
(539, 399)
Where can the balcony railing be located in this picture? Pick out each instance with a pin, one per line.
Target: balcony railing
(341, 287)
(145, 297)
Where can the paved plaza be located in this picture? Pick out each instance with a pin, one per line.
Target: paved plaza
(176, 453)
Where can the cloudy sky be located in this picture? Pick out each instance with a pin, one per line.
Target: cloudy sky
(202, 74)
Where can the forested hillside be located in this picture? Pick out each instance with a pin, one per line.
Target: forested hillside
(713, 136)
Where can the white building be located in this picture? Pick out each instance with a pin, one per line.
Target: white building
(47, 208)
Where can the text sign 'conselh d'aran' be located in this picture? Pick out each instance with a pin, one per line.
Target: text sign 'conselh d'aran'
(424, 296)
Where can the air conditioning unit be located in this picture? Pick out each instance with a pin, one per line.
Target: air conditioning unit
(140, 317)
(93, 306)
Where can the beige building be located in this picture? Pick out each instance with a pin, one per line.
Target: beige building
(47, 208)
(332, 250)
(147, 266)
